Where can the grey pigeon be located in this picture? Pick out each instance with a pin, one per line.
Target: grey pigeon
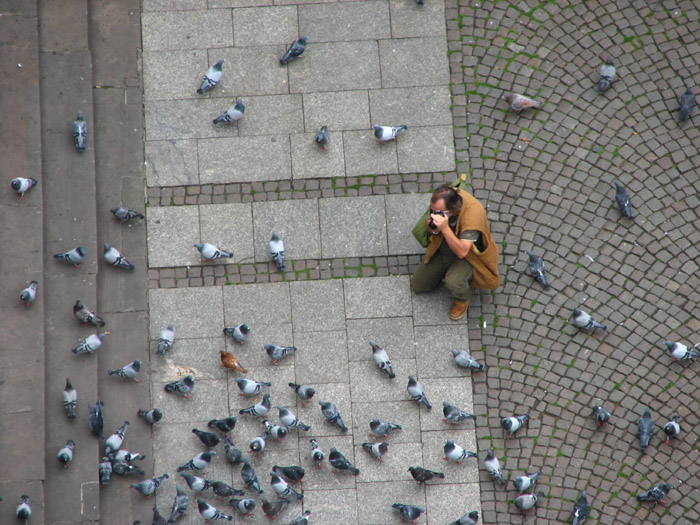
(522, 483)
(340, 462)
(257, 444)
(493, 467)
(122, 468)
(513, 423)
(382, 359)
(289, 420)
(232, 114)
(211, 513)
(125, 455)
(85, 316)
(196, 483)
(165, 339)
(527, 501)
(184, 386)
(646, 428)
(656, 494)
(608, 75)
(421, 475)
(115, 258)
(259, 409)
(377, 449)
(147, 487)
(471, 518)
(584, 321)
(293, 473)
(601, 415)
(211, 252)
(387, 133)
(382, 428)
(454, 452)
(323, 138)
(199, 462)
(305, 392)
(152, 416)
(330, 412)
(211, 77)
(301, 520)
(239, 333)
(271, 509)
(79, 132)
(245, 506)
(114, 442)
(209, 439)
(124, 214)
(276, 247)
(248, 387)
(409, 512)
(687, 103)
(518, 103)
(224, 490)
(276, 352)
(28, 295)
(317, 454)
(74, 256)
(70, 399)
(277, 432)
(22, 185)
(233, 453)
(249, 477)
(680, 352)
(623, 200)
(90, 344)
(129, 371)
(454, 415)
(296, 50)
(672, 429)
(581, 510)
(180, 504)
(282, 488)
(463, 359)
(225, 425)
(415, 390)
(105, 471)
(97, 422)
(65, 454)
(23, 510)
(536, 268)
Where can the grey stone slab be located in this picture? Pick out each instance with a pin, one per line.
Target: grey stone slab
(371, 384)
(171, 234)
(297, 224)
(344, 21)
(219, 4)
(317, 306)
(195, 312)
(229, 226)
(393, 466)
(467, 471)
(279, 375)
(261, 26)
(402, 413)
(457, 391)
(270, 114)
(244, 159)
(257, 304)
(414, 62)
(365, 156)
(432, 308)
(336, 67)
(448, 502)
(332, 506)
(339, 110)
(377, 297)
(249, 71)
(252, 353)
(402, 213)
(426, 149)
(337, 240)
(377, 498)
(197, 356)
(393, 334)
(171, 163)
(434, 350)
(414, 106)
(207, 400)
(173, 5)
(326, 478)
(196, 29)
(408, 19)
(186, 119)
(311, 161)
(173, 74)
(322, 357)
(338, 393)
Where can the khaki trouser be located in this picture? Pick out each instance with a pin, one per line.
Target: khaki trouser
(456, 272)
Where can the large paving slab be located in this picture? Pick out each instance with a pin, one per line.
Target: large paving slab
(413, 20)
(249, 71)
(230, 227)
(261, 26)
(345, 21)
(172, 163)
(192, 29)
(426, 148)
(173, 74)
(172, 231)
(311, 161)
(414, 62)
(239, 159)
(317, 306)
(414, 106)
(366, 214)
(379, 297)
(195, 312)
(295, 221)
(402, 212)
(365, 156)
(339, 110)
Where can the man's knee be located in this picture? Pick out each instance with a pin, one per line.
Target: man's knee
(458, 285)
(420, 285)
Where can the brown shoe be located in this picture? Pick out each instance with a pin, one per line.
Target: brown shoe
(458, 310)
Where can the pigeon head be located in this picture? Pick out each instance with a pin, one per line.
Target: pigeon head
(81, 251)
(609, 61)
(16, 184)
(489, 454)
(157, 414)
(189, 381)
(171, 327)
(303, 39)
(217, 66)
(239, 105)
(577, 312)
(275, 237)
(245, 328)
(107, 247)
(670, 345)
(80, 115)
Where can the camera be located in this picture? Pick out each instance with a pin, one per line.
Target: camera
(432, 222)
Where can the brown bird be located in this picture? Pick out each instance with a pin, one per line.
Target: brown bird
(231, 362)
(519, 102)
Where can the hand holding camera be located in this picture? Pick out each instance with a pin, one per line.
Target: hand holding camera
(432, 224)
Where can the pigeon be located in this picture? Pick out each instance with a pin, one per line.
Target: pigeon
(165, 339)
(196, 483)
(471, 518)
(90, 345)
(455, 415)
(382, 428)
(493, 467)
(301, 520)
(180, 505)
(409, 512)
(463, 359)
(249, 477)
(536, 268)
(687, 103)
(415, 390)
(211, 78)
(105, 471)
(323, 138)
(454, 452)
(114, 442)
(211, 513)
(421, 475)
(259, 409)
(65, 454)
(277, 251)
(209, 439)
(233, 453)
(232, 115)
(239, 333)
(386, 133)
(184, 386)
(382, 359)
(23, 511)
(148, 487)
(129, 371)
(225, 425)
(282, 488)
(601, 415)
(123, 468)
(377, 449)
(124, 214)
(657, 494)
(125, 455)
(672, 429)
(518, 103)
(28, 295)
(244, 506)
(199, 462)
(152, 416)
(85, 316)
(79, 132)
(278, 352)
(585, 322)
(211, 252)
(330, 412)
(317, 454)
(70, 399)
(248, 387)
(272, 509)
(224, 490)
(522, 483)
(581, 509)
(296, 50)
(513, 423)
(115, 258)
(289, 420)
(158, 518)
(623, 200)
(74, 256)
(96, 420)
(680, 352)
(305, 392)
(22, 185)
(608, 75)
(293, 473)
(340, 462)
(257, 444)
(231, 362)
(646, 428)
(277, 432)
(527, 501)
